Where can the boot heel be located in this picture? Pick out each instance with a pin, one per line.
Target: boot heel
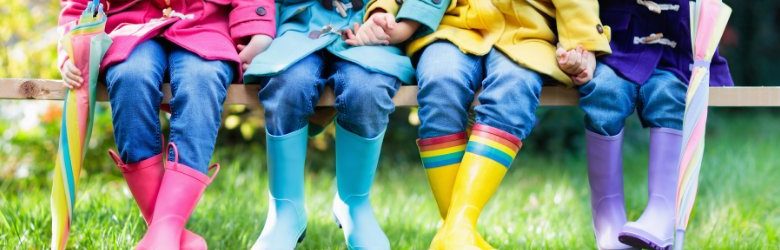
(303, 236)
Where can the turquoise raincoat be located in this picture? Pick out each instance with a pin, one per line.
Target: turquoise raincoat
(306, 27)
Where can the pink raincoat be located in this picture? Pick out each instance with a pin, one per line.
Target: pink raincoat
(208, 28)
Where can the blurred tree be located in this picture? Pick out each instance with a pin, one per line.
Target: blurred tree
(752, 42)
(28, 36)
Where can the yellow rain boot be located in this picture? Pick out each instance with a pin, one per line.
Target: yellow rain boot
(488, 155)
(441, 158)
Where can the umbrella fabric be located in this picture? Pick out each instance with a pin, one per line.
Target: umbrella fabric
(708, 22)
(85, 44)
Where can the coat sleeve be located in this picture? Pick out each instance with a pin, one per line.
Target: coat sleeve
(71, 11)
(579, 24)
(252, 17)
(720, 75)
(389, 6)
(426, 12)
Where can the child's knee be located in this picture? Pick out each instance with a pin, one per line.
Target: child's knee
(366, 103)
(444, 63)
(605, 126)
(213, 76)
(133, 76)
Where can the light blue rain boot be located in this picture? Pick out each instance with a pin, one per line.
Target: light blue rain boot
(285, 224)
(356, 163)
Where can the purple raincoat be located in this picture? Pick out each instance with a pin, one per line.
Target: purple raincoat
(654, 34)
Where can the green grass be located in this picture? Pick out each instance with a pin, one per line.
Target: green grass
(543, 202)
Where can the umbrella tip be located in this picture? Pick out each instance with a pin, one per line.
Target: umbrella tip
(679, 239)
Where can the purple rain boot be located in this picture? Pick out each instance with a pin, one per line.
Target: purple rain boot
(655, 228)
(605, 175)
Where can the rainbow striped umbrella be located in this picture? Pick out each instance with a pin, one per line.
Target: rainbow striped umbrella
(708, 21)
(85, 44)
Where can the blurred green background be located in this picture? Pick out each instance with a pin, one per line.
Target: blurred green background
(543, 203)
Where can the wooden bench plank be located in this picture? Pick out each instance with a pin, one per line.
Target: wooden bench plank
(47, 89)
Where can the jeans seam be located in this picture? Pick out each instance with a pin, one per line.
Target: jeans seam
(310, 105)
(174, 114)
(339, 100)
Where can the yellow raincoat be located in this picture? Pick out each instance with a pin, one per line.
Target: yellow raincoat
(525, 30)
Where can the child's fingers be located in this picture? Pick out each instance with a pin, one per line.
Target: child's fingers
(379, 33)
(74, 69)
(576, 58)
(584, 77)
(579, 66)
(582, 64)
(386, 21)
(353, 42)
(67, 83)
(351, 38)
(240, 47)
(560, 52)
(349, 34)
(70, 67)
(372, 37)
(569, 63)
(367, 36)
(72, 83)
(391, 23)
(73, 77)
(380, 20)
(364, 39)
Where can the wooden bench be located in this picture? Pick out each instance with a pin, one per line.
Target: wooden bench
(47, 89)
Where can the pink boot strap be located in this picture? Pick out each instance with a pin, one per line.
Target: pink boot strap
(188, 170)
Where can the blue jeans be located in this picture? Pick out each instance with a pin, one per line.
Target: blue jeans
(198, 86)
(364, 99)
(609, 99)
(448, 80)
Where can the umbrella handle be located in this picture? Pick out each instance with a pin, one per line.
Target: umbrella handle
(97, 7)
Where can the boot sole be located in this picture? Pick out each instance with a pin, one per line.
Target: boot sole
(303, 236)
(640, 242)
(336, 219)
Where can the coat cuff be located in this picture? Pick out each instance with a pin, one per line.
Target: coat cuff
(389, 6)
(595, 40)
(252, 20)
(426, 12)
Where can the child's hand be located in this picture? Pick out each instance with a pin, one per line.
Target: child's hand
(256, 45)
(71, 75)
(373, 32)
(394, 32)
(578, 63)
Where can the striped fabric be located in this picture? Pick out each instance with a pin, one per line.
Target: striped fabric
(443, 150)
(85, 45)
(494, 144)
(708, 22)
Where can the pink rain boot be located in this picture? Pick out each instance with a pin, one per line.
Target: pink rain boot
(144, 178)
(180, 190)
